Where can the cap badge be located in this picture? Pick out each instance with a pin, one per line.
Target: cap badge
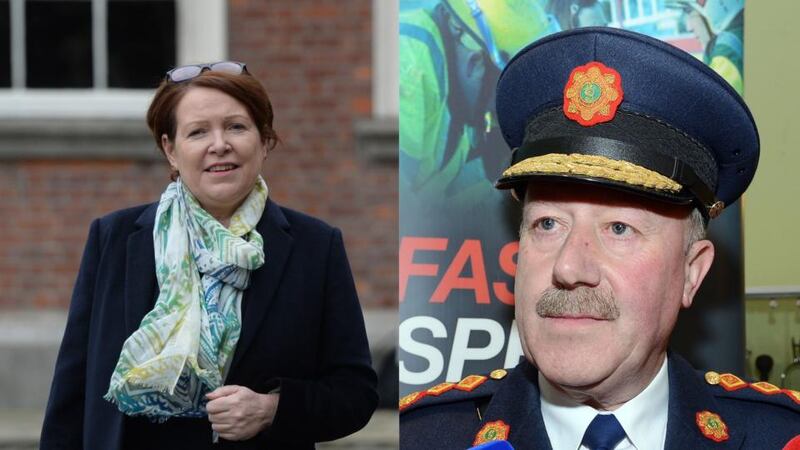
(712, 426)
(492, 431)
(592, 94)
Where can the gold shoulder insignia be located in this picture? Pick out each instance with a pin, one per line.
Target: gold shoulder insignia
(470, 382)
(411, 398)
(467, 384)
(731, 382)
(712, 377)
(498, 374)
(765, 388)
(441, 388)
(794, 395)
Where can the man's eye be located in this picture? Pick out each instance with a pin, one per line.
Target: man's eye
(195, 132)
(619, 228)
(545, 223)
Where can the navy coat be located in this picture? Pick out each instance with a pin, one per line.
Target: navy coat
(302, 331)
(450, 421)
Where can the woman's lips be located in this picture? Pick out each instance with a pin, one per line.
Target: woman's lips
(221, 168)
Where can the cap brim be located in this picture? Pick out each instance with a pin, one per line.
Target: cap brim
(520, 183)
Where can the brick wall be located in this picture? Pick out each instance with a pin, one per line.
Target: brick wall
(46, 207)
(314, 58)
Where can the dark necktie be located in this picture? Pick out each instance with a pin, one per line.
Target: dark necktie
(604, 433)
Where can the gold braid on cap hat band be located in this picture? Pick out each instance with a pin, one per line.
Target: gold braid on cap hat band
(596, 167)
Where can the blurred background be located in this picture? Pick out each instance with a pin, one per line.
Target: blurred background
(76, 78)
(459, 321)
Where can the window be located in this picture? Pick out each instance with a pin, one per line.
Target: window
(89, 43)
(141, 42)
(58, 44)
(99, 58)
(5, 44)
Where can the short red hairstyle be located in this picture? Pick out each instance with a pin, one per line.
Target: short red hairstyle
(243, 87)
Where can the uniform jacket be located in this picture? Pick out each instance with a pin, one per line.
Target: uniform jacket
(302, 331)
(451, 420)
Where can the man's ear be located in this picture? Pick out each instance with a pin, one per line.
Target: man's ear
(169, 150)
(698, 262)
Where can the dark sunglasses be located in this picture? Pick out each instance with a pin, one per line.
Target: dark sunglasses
(184, 73)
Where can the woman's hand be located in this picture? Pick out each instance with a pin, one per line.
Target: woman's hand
(237, 413)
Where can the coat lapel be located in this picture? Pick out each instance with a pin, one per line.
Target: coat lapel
(264, 281)
(517, 404)
(140, 272)
(688, 395)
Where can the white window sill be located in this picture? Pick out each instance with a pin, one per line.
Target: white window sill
(74, 103)
(376, 140)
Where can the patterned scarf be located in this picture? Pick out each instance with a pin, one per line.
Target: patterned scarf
(184, 345)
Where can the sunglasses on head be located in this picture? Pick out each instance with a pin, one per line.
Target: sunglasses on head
(184, 73)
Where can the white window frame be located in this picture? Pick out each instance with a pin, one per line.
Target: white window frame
(201, 36)
(376, 137)
(385, 82)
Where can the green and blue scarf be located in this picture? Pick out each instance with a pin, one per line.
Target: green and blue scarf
(184, 345)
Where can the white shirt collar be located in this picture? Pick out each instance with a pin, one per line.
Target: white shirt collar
(644, 417)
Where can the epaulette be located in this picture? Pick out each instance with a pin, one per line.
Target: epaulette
(727, 385)
(471, 387)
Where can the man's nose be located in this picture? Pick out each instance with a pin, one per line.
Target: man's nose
(576, 264)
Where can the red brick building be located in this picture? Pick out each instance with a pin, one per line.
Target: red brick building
(74, 144)
(314, 57)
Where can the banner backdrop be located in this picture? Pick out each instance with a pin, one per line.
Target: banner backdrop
(458, 235)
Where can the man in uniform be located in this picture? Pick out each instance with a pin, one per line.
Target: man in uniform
(624, 147)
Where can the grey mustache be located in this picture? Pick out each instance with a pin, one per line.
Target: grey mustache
(582, 301)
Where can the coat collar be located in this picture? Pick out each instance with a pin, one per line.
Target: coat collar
(517, 403)
(140, 272)
(688, 395)
(141, 287)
